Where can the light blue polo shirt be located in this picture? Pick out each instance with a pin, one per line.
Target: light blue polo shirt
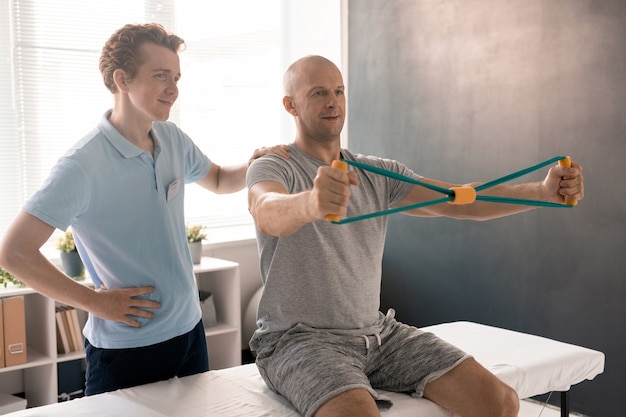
(126, 212)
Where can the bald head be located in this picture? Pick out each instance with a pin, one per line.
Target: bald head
(299, 71)
(315, 97)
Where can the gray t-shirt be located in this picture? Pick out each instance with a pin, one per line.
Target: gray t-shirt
(326, 276)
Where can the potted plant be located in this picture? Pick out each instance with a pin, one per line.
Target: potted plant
(7, 278)
(70, 258)
(195, 236)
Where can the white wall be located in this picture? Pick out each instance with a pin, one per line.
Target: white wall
(315, 28)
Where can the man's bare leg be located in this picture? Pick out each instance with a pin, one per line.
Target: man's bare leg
(356, 402)
(470, 390)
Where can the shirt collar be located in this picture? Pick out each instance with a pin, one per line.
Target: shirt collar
(123, 146)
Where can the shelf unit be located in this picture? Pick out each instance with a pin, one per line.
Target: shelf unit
(37, 378)
(221, 278)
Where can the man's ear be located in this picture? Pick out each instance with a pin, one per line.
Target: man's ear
(289, 105)
(120, 79)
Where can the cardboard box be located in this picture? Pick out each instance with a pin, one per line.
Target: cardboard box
(1, 336)
(10, 403)
(14, 318)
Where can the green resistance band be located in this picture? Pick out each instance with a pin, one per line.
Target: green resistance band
(450, 194)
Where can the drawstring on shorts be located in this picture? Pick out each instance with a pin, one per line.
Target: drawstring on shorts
(367, 341)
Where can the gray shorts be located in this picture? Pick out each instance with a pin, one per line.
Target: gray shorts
(309, 367)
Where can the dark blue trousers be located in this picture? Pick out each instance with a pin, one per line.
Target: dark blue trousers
(112, 369)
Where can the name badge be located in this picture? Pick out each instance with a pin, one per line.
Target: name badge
(172, 189)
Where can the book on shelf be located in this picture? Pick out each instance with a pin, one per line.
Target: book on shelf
(80, 341)
(68, 330)
(70, 326)
(63, 345)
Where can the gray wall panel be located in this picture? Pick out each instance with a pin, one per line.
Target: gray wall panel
(471, 90)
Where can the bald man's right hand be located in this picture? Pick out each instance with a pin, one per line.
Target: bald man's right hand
(331, 191)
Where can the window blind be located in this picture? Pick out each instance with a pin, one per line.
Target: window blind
(52, 94)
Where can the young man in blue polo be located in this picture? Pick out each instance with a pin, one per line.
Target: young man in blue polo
(121, 189)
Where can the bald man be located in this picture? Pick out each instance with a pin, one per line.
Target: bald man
(321, 340)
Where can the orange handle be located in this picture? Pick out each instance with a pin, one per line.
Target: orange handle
(463, 195)
(567, 162)
(344, 167)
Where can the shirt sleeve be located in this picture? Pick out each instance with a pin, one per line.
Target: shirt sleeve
(62, 197)
(269, 168)
(197, 164)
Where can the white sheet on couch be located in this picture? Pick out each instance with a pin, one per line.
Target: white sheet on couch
(532, 365)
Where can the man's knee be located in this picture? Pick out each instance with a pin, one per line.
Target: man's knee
(508, 404)
(502, 402)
